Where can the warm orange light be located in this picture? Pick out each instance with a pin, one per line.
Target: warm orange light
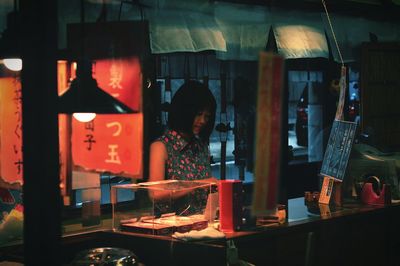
(121, 78)
(11, 169)
(84, 117)
(111, 143)
(14, 64)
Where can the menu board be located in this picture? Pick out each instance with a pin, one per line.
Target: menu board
(338, 149)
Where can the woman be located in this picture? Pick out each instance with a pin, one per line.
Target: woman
(182, 153)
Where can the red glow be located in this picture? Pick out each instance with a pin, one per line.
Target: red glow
(109, 143)
(121, 78)
(11, 169)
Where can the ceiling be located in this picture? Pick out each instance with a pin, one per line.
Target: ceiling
(374, 9)
(236, 20)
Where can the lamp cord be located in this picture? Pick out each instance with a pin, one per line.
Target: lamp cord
(333, 33)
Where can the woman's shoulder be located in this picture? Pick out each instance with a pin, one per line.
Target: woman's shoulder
(168, 136)
(157, 145)
(158, 152)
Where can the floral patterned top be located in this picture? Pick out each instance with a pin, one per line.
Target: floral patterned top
(187, 160)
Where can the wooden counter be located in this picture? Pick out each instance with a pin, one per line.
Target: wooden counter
(352, 235)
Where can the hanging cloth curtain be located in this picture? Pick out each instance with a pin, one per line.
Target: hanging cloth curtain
(299, 34)
(244, 29)
(184, 31)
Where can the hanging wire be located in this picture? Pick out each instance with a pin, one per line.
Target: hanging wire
(333, 33)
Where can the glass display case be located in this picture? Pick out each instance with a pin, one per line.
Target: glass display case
(164, 207)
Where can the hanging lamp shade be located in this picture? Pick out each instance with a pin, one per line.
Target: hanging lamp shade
(85, 96)
(100, 40)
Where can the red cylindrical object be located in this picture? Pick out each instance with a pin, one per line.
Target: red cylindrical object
(230, 205)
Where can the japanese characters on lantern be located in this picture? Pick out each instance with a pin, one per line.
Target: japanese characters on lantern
(110, 142)
(11, 130)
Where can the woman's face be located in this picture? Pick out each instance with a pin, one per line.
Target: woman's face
(200, 121)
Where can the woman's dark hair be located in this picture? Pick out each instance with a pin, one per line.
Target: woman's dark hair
(190, 99)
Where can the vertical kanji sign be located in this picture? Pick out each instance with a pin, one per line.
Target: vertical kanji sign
(110, 142)
(121, 78)
(11, 130)
(11, 163)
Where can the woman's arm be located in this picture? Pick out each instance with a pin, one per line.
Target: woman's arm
(158, 157)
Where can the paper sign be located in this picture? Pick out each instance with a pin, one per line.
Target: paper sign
(338, 149)
(11, 169)
(325, 210)
(111, 143)
(326, 190)
(121, 78)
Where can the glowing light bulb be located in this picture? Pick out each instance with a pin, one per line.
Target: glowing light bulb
(84, 117)
(14, 64)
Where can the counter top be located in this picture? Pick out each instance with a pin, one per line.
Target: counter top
(353, 234)
(344, 235)
(301, 214)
